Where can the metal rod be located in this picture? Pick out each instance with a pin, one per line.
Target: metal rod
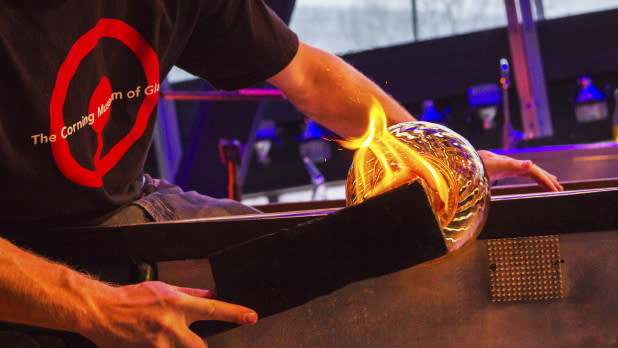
(414, 20)
(540, 10)
(528, 69)
(249, 94)
(504, 82)
(543, 120)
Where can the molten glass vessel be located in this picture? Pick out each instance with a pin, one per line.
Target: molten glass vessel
(445, 163)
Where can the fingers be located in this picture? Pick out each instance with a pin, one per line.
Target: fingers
(500, 166)
(199, 305)
(199, 308)
(546, 180)
(223, 311)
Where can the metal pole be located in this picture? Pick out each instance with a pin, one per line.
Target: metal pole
(248, 94)
(537, 74)
(505, 82)
(414, 21)
(528, 69)
(540, 10)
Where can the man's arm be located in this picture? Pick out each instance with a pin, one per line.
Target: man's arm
(331, 92)
(38, 292)
(334, 94)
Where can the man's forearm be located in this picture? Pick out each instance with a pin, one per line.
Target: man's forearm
(38, 292)
(333, 93)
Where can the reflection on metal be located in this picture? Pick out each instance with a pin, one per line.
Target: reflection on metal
(525, 269)
(528, 68)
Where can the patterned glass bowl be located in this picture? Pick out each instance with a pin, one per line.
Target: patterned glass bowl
(450, 170)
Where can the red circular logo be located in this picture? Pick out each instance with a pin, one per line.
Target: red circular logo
(115, 29)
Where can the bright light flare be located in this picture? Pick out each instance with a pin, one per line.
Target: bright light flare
(382, 162)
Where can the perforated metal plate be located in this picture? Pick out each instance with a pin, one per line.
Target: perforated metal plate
(525, 269)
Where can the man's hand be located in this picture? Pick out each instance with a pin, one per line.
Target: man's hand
(155, 314)
(39, 292)
(500, 166)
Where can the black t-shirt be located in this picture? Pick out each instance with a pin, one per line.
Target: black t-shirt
(80, 83)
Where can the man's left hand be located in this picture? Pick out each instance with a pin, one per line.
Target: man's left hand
(500, 166)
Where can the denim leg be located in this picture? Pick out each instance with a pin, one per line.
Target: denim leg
(132, 214)
(165, 201)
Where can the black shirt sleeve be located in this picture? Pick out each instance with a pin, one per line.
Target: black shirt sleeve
(237, 43)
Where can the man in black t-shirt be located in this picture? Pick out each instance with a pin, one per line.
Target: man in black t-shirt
(80, 83)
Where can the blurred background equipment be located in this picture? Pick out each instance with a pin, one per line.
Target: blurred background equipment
(431, 114)
(485, 102)
(407, 48)
(314, 148)
(590, 103)
(230, 152)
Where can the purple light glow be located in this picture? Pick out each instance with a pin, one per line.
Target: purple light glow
(609, 144)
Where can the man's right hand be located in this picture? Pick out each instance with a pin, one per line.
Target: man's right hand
(155, 314)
